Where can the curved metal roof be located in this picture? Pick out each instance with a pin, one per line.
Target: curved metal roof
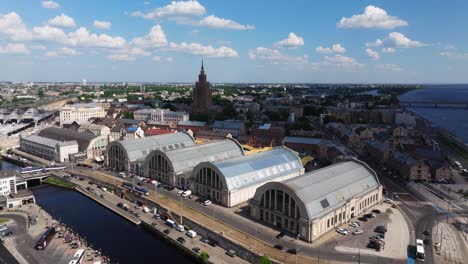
(326, 189)
(139, 148)
(185, 159)
(60, 134)
(257, 168)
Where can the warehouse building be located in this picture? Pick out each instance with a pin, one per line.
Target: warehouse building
(174, 167)
(48, 149)
(234, 181)
(130, 155)
(314, 203)
(90, 146)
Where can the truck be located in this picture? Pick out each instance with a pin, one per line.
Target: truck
(191, 233)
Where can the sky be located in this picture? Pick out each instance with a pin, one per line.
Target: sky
(240, 41)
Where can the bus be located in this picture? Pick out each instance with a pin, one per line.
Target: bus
(137, 189)
(419, 250)
(78, 257)
(44, 240)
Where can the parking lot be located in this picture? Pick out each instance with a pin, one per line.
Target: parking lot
(391, 245)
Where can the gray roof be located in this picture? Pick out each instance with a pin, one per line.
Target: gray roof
(139, 148)
(185, 159)
(191, 123)
(257, 168)
(378, 145)
(304, 140)
(228, 124)
(60, 134)
(332, 186)
(42, 141)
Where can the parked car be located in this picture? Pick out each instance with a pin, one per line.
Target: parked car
(342, 231)
(354, 224)
(364, 219)
(196, 250)
(207, 202)
(204, 240)
(280, 235)
(212, 243)
(377, 211)
(358, 232)
(167, 231)
(81, 179)
(280, 247)
(292, 251)
(389, 201)
(231, 253)
(181, 240)
(426, 232)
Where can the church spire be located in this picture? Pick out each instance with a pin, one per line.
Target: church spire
(202, 68)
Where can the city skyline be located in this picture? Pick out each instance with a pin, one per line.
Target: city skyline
(164, 41)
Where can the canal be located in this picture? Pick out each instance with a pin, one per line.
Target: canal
(117, 238)
(7, 166)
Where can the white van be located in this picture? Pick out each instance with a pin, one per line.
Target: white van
(191, 233)
(122, 174)
(186, 193)
(180, 228)
(146, 209)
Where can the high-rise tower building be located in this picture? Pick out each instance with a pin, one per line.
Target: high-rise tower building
(201, 94)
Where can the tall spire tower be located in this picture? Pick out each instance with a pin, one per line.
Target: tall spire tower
(201, 94)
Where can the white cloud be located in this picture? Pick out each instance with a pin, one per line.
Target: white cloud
(338, 61)
(62, 20)
(65, 51)
(335, 48)
(102, 24)
(49, 33)
(388, 50)
(146, 2)
(68, 51)
(121, 57)
(14, 48)
(134, 51)
(292, 41)
(12, 27)
(373, 54)
(217, 22)
(174, 9)
(38, 47)
(50, 4)
(155, 38)
(388, 67)
(51, 54)
(164, 59)
(275, 56)
(373, 17)
(454, 55)
(201, 50)
(395, 40)
(82, 37)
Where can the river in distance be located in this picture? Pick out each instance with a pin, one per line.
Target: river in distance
(117, 238)
(454, 120)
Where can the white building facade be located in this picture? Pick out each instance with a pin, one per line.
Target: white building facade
(81, 112)
(161, 116)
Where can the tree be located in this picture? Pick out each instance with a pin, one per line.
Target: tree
(128, 115)
(264, 260)
(204, 257)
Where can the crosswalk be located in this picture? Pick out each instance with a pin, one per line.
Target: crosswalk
(14, 237)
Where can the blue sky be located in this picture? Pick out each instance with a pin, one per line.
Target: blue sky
(240, 41)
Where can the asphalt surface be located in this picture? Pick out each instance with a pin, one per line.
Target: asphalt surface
(323, 253)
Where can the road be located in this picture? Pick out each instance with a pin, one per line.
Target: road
(239, 229)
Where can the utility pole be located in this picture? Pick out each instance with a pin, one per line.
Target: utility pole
(182, 213)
